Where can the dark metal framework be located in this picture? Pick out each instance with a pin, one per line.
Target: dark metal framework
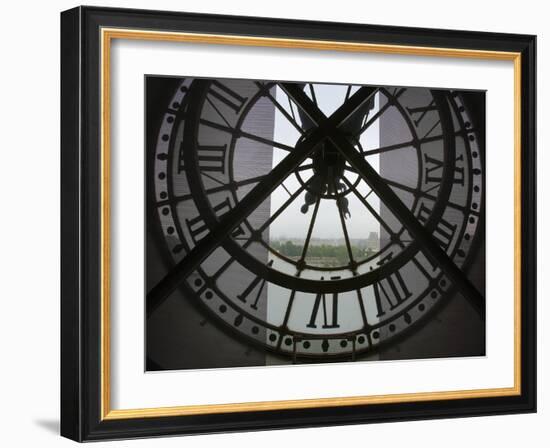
(352, 342)
(81, 218)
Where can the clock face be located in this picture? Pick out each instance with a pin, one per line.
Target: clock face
(316, 221)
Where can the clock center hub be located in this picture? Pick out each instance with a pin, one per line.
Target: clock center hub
(328, 162)
(328, 168)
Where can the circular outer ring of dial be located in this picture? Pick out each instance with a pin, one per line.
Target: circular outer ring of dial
(432, 223)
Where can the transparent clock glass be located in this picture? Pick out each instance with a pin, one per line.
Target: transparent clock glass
(305, 222)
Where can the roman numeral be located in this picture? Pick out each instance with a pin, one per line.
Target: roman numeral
(444, 232)
(418, 115)
(211, 158)
(198, 228)
(243, 296)
(330, 320)
(434, 170)
(390, 292)
(227, 96)
(421, 112)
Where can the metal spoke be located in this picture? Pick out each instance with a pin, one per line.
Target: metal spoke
(369, 207)
(228, 222)
(348, 92)
(389, 148)
(291, 108)
(426, 195)
(265, 225)
(312, 91)
(409, 221)
(422, 235)
(286, 189)
(241, 133)
(283, 207)
(310, 229)
(223, 268)
(343, 114)
(291, 119)
(212, 190)
(412, 143)
(212, 178)
(363, 311)
(224, 187)
(344, 227)
(325, 128)
(377, 115)
(218, 111)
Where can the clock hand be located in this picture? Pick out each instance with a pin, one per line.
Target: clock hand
(342, 213)
(252, 200)
(282, 110)
(344, 114)
(315, 190)
(407, 218)
(326, 159)
(301, 262)
(244, 134)
(422, 235)
(227, 223)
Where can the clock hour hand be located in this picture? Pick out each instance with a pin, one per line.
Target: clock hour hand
(315, 189)
(423, 236)
(255, 197)
(321, 184)
(343, 204)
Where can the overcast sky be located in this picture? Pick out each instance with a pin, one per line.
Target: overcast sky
(293, 223)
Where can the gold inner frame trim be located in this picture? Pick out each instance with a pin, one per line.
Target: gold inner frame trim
(107, 35)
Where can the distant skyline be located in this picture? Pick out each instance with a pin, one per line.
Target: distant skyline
(371, 236)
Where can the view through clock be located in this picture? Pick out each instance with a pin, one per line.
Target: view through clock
(303, 222)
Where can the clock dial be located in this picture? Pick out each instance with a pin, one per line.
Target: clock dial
(318, 221)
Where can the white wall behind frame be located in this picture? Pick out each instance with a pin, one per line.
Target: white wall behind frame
(29, 173)
(133, 388)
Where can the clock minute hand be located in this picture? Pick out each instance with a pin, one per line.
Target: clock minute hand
(345, 113)
(409, 221)
(160, 292)
(227, 223)
(390, 199)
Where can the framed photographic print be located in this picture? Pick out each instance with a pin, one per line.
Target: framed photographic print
(271, 224)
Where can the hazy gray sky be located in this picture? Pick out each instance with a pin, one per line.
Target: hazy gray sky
(293, 223)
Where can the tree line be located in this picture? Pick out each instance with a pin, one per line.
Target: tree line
(339, 252)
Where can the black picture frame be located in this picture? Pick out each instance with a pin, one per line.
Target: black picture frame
(81, 208)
